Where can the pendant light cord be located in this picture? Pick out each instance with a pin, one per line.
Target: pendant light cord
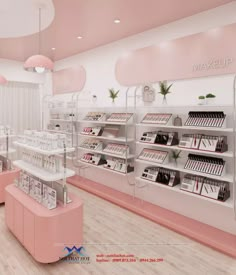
(39, 31)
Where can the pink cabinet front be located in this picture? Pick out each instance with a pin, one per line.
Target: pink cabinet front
(18, 220)
(29, 231)
(9, 211)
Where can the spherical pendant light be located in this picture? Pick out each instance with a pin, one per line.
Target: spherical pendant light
(2, 80)
(38, 63)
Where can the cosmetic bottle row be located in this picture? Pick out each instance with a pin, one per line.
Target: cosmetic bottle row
(161, 175)
(38, 190)
(218, 190)
(44, 140)
(92, 144)
(204, 164)
(49, 163)
(206, 119)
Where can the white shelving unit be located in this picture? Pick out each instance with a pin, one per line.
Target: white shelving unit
(42, 173)
(115, 139)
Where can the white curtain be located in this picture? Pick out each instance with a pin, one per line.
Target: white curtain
(20, 106)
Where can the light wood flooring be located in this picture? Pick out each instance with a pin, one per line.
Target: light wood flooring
(109, 229)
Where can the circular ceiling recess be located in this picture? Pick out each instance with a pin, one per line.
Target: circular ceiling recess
(20, 18)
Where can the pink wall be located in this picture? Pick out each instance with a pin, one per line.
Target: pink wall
(69, 80)
(204, 54)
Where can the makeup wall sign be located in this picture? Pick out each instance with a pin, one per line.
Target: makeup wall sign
(212, 53)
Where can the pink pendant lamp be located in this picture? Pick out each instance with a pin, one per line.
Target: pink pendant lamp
(2, 80)
(38, 63)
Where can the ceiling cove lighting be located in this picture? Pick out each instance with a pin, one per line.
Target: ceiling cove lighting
(79, 37)
(38, 63)
(2, 80)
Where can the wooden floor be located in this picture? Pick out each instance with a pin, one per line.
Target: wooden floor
(109, 229)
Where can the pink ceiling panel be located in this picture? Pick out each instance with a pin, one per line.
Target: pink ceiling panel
(93, 19)
(204, 54)
(69, 80)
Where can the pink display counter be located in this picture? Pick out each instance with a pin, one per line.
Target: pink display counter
(44, 233)
(7, 178)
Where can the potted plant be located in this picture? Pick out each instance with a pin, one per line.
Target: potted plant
(164, 90)
(175, 155)
(210, 98)
(201, 100)
(113, 94)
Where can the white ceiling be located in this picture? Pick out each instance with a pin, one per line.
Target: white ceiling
(21, 17)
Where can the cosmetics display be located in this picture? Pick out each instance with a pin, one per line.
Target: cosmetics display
(110, 131)
(38, 190)
(154, 155)
(49, 163)
(119, 117)
(44, 140)
(157, 118)
(218, 190)
(92, 131)
(191, 141)
(63, 127)
(204, 164)
(95, 159)
(49, 197)
(159, 137)
(206, 119)
(92, 144)
(119, 165)
(213, 143)
(95, 116)
(161, 175)
(118, 149)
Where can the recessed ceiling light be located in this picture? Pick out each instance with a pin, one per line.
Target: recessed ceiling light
(117, 21)
(53, 49)
(79, 37)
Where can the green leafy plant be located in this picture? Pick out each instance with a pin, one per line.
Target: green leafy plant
(175, 154)
(113, 94)
(201, 97)
(164, 88)
(210, 96)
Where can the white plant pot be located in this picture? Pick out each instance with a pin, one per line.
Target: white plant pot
(201, 101)
(210, 101)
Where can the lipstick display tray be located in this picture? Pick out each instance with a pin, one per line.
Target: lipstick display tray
(204, 164)
(206, 119)
(156, 156)
(157, 118)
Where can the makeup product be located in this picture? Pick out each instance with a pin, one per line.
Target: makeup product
(206, 119)
(190, 141)
(95, 159)
(213, 143)
(49, 197)
(205, 164)
(92, 144)
(192, 183)
(120, 117)
(118, 149)
(157, 118)
(92, 131)
(38, 191)
(95, 116)
(110, 131)
(153, 155)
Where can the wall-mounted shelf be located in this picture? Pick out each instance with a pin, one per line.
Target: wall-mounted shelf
(228, 203)
(104, 122)
(180, 167)
(40, 172)
(212, 129)
(116, 139)
(104, 169)
(227, 154)
(129, 156)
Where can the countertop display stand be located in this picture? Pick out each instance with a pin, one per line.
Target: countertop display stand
(45, 233)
